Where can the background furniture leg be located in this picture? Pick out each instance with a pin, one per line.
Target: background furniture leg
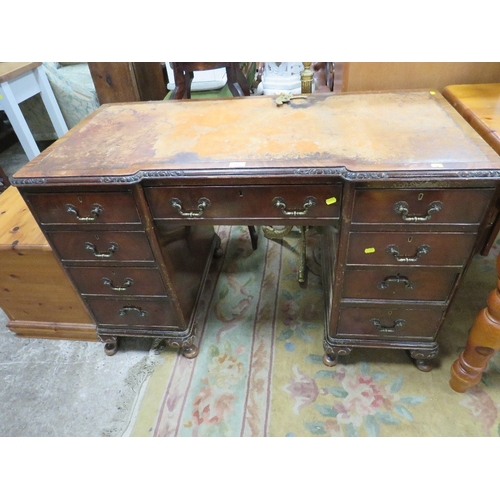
(18, 122)
(254, 237)
(483, 343)
(301, 274)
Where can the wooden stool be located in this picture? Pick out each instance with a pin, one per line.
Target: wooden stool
(479, 104)
(35, 293)
(4, 180)
(483, 343)
(18, 82)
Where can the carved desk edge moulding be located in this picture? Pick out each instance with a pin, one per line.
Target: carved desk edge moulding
(341, 172)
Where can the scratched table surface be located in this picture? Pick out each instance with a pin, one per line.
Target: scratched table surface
(396, 130)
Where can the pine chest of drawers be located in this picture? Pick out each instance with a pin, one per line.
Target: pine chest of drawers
(403, 188)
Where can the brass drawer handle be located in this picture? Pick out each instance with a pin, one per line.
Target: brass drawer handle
(309, 202)
(202, 204)
(401, 207)
(384, 284)
(387, 329)
(95, 212)
(113, 247)
(394, 251)
(127, 309)
(127, 282)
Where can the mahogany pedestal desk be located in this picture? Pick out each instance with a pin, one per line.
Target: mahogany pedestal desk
(480, 105)
(402, 187)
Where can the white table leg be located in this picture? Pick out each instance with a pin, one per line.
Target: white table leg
(18, 122)
(50, 102)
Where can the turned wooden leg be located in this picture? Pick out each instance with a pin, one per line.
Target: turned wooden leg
(483, 343)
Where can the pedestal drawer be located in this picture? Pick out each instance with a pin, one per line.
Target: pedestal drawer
(421, 206)
(389, 323)
(248, 202)
(446, 249)
(102, 246)
(135, 313)
(399, 283)
(85, 207)
(117, 281)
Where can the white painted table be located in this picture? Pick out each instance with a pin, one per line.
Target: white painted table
(18, 82)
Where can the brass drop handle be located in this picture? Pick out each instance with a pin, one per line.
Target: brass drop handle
(202, 204)
(127, 282)
(394, 251)
(384, 284)
(388, 329)
(401, 207)
(309, 202)
(127, 309)
(95, 212)
(113, 247)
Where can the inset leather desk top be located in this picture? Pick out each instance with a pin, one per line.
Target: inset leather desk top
(388, 131)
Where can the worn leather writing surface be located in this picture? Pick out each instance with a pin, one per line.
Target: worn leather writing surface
(368, 131)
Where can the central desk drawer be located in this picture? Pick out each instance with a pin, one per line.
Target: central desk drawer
(420, 249)
(245, 202)
(102, 246)
(117, 280)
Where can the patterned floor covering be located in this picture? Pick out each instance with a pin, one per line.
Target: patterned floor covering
(260, 370)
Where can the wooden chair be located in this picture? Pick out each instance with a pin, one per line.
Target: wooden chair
(236, 81)
(183, 75)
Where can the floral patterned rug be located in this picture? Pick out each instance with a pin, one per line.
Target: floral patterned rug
(260, 369)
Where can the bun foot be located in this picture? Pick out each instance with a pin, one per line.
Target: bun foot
(330, 359)
(190, 352)
(422, 358)
(331, 356)
(423, 365)
(110, 346)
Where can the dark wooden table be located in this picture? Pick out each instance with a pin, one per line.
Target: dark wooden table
(480, 106)
(402, 187)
